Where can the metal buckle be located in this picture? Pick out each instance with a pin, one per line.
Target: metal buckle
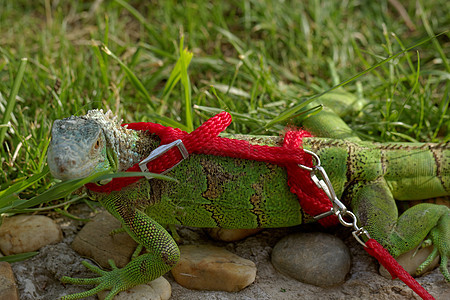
(160, 151)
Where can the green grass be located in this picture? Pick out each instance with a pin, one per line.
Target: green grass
(255, 59)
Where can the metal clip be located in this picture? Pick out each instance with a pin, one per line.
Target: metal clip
(357, 235)
(338, 209)
(160, 151)
(325, 185)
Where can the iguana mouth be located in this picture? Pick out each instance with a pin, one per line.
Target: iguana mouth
(67, 164)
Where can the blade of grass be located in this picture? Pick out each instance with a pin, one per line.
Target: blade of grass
(444, 107)
(59, 190)
(235, 115)
(8, 195)
(175, 75)
(185, 56)
(131, 76)
(416, 83)
(18, 257)
(63, 189)
(101, 63)
(44, 208)
(12, 98)
(71, 216)
(158, 51)
(169, 122)
(223, 104)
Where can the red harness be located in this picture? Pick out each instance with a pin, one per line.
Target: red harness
(205, 140)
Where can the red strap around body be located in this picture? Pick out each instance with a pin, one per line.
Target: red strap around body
(204, 140)
(194, 143)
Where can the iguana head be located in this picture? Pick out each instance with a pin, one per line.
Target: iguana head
(79, 148)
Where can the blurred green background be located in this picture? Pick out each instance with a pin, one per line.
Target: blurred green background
(255, 59)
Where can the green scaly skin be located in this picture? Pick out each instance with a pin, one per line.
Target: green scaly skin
(232, 193)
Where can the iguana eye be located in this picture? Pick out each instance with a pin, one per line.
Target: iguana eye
(97, 145)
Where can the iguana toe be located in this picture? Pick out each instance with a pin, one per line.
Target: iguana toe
(108, 280)
(440, 238)
(427, 262)
(443, 268)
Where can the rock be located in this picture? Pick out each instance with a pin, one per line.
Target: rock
(411, 260)
(158, 289)
(8, 287)
(26, 233)
(314, 258)
(96, 242)
(204, 267)
(231, 235)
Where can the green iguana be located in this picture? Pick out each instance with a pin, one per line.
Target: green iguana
(214, 191)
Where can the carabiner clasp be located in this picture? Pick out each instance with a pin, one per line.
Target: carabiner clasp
(338, 209)
(324, 184)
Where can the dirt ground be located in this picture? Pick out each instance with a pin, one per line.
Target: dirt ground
(37, 278)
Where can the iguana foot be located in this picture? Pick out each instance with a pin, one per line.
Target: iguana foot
(440, 238)
(108, 280)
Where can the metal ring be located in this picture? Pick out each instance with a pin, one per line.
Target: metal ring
(345, 223)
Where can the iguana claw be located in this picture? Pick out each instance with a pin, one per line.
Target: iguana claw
(439, 237)
(107, 280)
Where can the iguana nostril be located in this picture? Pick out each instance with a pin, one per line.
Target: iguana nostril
(63, 164)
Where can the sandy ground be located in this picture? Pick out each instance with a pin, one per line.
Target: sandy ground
(38, 277)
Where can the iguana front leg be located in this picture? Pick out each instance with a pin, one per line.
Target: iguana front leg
(376, 210)
(163, 251)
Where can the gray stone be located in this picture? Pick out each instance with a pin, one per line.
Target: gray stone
(315, 258)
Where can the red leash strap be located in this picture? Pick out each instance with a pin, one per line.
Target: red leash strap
(396, 270)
